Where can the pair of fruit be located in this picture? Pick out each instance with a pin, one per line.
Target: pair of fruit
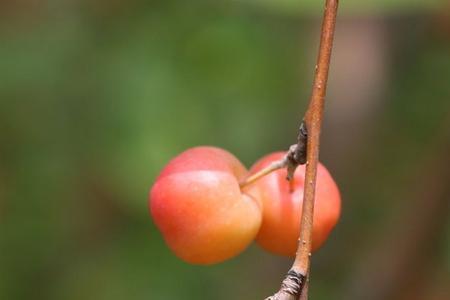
(205, 217)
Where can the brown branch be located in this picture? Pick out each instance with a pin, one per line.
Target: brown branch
(313, 121)
(304, 294)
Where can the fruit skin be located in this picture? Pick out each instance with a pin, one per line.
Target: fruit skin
(197, 205)
(280, 228)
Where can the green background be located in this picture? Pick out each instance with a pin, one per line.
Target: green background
(96, 96)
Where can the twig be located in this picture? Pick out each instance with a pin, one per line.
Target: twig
(294, 157)
(305, 291)
(276, 165)
(298, 273)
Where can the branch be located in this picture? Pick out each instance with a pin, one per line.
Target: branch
(313, 122)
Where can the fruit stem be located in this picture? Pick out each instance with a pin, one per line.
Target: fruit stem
(313, 122)
(294, 157)
(276, 165)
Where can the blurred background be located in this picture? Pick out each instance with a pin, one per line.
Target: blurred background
(96, 96)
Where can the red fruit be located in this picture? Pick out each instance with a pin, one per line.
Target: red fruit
(280, 228)
(199, 208)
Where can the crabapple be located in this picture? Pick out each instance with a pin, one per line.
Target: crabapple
(282, 207)
(199, 208)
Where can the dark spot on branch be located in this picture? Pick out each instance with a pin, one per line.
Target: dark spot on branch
(297, 153)
(291, 286)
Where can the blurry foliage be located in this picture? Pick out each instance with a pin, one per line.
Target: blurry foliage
(348, 6)
(96, 97)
